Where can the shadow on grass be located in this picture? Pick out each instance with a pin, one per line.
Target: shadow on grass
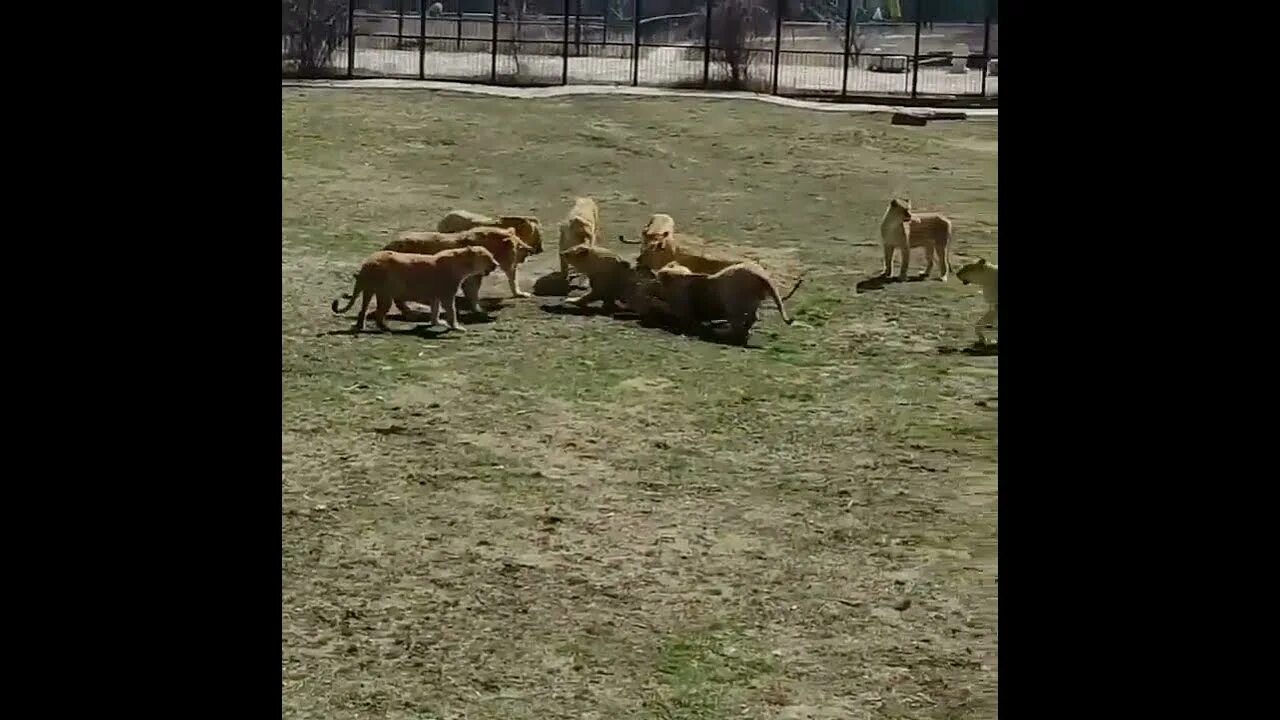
(575, 310)
(877, 282)
(713, 333)
(974, 350)
(424, 332)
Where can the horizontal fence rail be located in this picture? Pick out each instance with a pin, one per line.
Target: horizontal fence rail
(770, 46)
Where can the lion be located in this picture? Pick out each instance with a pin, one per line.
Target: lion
(903, 229)
(986, 276)
(396, 277)
(611, 278)
(507, 249)
(660, 226)
(580, 227)
(661, 252)
(527, 227)
(644, 297)
(734, 294)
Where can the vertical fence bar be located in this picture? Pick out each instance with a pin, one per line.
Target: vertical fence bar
(400, 24)
(635, 44)
(422, 39)
(577, 29)
(564, 47)
(493, 48)
(351, 37)
(848, 45)
(986, 47)
(777, 43)
(459, 23)
(706, 50)
(915, 58)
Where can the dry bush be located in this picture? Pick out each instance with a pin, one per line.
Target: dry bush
(734, 25)
(312, 30)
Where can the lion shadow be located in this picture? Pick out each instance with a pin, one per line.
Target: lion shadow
(713, 332)
(578, 311)
(878, 282)
(974, 350)
(482, 315)
(423, 332)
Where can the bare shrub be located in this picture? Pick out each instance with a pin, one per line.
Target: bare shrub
(312, 31)
(734, 25)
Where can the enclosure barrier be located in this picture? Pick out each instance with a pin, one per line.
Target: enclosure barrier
(781, 47)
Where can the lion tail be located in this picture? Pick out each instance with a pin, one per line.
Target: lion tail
(777, 300)
(350, 298)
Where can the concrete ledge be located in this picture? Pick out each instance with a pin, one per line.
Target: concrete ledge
(888, 106)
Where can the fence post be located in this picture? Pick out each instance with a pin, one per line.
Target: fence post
(422, 39)
(635, 44)
(351, 37)
(564, 47)
(706, 50)
(986, 47)
(777, 43)
(577, 29)
(400, 25)
(493, 46)
(848, 44)
(915, 59)
(459, 23)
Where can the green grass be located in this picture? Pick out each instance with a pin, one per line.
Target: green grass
(554, 516)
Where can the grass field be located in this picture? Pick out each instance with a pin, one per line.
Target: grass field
(559, 516)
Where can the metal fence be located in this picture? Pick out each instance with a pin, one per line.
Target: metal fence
(777, 48)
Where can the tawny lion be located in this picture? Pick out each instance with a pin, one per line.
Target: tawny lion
(580, 227)
(527, 227)
(507, 249)
(395, 278)
(902, 229)
(986, 276)
(734, 294)
(664, 251)
(611, 278)
(660, 225)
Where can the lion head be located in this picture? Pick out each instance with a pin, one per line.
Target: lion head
(899, 210)
(970, 272)
(527, 228)
(658, 253)
(478, 260)
(660, 226)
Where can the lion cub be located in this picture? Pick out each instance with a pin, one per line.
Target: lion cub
(986, 276)
(527, 227)
(580, 227)
(429, 279)
(734, 294)
(903, 229)
(503, 243)
(659, 253)
(611, 278)
(660, 225)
